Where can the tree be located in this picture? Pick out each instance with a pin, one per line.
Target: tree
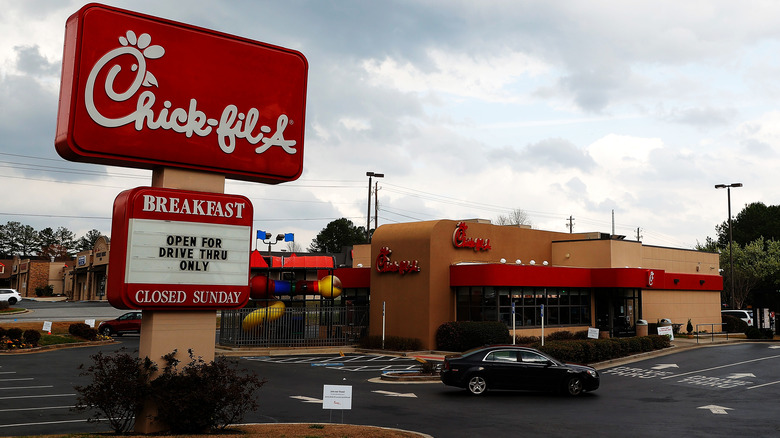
(754, 221)
(755, 264)
(709, 245)
(28, 241)
(515, 217)
(293, 246)
(87, 242)
(9, 238)
(337, 234)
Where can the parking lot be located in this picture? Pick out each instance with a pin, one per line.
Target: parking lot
(725, 390)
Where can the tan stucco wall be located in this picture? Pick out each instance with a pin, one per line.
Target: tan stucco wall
(700, 307)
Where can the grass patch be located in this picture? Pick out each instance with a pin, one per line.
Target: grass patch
(58, 339)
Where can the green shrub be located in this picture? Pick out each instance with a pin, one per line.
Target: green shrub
(31, 337)
(464, 335)
(4, 305)
(2, 332)
(733, 324)
(756, 333)
(527, 340)
(14, 334)
(562, 335)
(83, 331)
(647, 343)
(118, 389)
(203, 397)
(660, 341)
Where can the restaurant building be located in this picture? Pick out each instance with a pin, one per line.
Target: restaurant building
(423, 274)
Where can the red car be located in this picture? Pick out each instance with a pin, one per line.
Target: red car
(130, 322)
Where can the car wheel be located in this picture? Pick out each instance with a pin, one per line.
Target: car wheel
(106, 331)
(574, 386)
(12, 301)
(477, 385)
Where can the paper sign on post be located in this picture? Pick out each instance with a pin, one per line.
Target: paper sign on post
(593, 333)
(90, 322)
(47, 326)
(337, 397)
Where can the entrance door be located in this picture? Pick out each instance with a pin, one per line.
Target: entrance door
(617, 310)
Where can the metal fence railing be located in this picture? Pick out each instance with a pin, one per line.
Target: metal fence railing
(310, 326)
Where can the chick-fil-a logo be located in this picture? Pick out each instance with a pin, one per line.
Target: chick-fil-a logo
(231, 125)
(384, 264)
(459, 239)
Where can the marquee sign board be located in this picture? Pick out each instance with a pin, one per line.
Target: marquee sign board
(141, 91)
(178, 249)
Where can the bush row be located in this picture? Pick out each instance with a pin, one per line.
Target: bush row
(395, 343)
(597, 350)
(464, 335)
(197, 397)
(16, 338)
(83, 331)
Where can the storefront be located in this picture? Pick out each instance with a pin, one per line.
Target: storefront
(424, 274)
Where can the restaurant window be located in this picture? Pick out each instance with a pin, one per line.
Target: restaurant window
(562, 306)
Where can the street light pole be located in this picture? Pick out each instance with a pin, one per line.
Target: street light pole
(731, 238)
(368, 212)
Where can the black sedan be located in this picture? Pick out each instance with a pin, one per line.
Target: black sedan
(510, 367)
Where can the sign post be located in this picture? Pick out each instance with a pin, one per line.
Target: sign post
(542, 310)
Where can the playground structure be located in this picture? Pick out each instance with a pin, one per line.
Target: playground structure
(264, 288)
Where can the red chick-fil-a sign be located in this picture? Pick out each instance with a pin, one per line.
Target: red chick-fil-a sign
(385, 265)
(141, 91)
(459, 239)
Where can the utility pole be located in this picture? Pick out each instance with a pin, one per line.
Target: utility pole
(638, 236)
(570, 224)
(376, 204)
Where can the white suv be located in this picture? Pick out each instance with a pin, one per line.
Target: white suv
(745, 315)
(10, 295)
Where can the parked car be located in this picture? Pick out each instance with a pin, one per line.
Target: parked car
(512, 367)
(745, 315)
(130, 322)
(10, 295)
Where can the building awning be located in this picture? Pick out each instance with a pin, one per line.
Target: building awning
(490, 274)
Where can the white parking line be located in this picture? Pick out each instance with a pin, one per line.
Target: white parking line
(44, 423)
(16, 380)
(765, 384)
(722, 366)
(28, 387)
(40, 408)
(36, 396)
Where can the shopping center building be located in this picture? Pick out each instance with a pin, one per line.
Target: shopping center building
(423, 274)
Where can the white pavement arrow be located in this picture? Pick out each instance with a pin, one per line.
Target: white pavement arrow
(715, 409)
(396, 394)
(306, 399)
(774, 346)
(662, 366)
(740, 375)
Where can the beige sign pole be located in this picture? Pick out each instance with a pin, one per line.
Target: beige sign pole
(163, 331)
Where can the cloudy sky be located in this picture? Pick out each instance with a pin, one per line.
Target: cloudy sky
(471, 109)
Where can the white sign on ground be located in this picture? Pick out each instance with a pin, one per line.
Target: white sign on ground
(666, 331)
(593, 333)
(47, 326)
(90, 322)
(337, 397)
